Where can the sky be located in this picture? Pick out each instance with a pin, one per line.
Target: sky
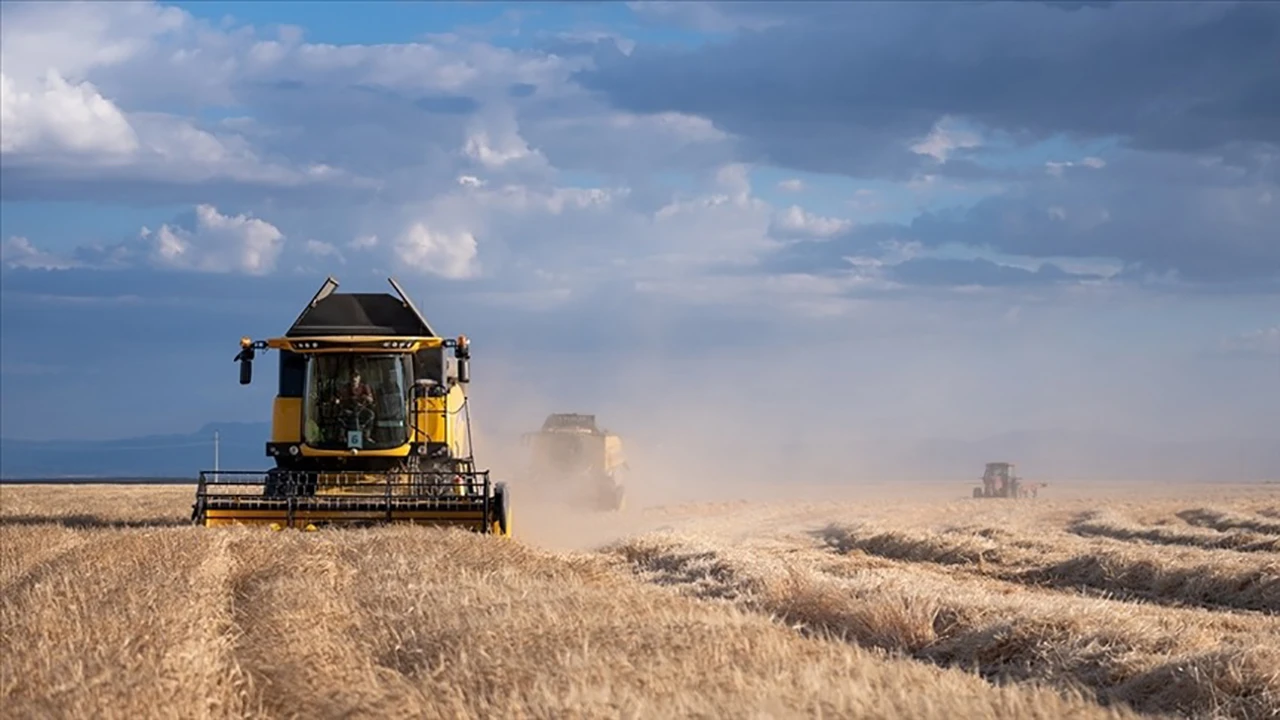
(732, 223)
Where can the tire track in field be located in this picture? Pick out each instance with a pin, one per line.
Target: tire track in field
(120, 623)
(29, 558)
(293, 604)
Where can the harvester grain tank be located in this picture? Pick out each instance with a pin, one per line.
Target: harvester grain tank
(577, 458)
(1000, 480)
(370, 425)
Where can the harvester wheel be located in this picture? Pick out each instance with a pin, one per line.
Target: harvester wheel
(500, 520)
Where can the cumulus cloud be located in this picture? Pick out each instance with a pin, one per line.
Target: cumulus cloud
(950, 113)
(451, 256)
(796, 222)
(217, 243)
(944, 139)
(60, 117)
(1086, 73)
(588, 162)
(204, 240)
(19, 252)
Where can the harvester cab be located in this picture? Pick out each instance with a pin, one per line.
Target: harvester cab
(370, 425)
(572, 450)
(1000, 480)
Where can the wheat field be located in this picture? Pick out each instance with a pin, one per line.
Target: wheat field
(914, 602)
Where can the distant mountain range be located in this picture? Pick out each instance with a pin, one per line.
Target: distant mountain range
(1039, 455)
(240, 446)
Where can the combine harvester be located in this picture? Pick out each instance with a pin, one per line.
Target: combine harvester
(370, 426)
(572, 450)
(1000, 481)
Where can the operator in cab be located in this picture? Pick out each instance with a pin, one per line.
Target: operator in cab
(355, 393)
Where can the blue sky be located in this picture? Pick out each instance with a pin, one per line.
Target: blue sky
(911, 220)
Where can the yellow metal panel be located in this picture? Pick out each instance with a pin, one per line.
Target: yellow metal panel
(286, 420)
(457, 429)
(613, 452)
(473, 519)
(355, 343)
(400, 451)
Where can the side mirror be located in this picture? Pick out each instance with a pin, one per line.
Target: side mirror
(245, 358)
(462, 351)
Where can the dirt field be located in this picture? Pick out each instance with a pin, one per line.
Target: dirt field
(1159, 600)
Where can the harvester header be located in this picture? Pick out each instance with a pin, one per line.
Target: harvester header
(370, 424)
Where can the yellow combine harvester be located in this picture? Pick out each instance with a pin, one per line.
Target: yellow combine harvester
(370, 425)
(571, 450)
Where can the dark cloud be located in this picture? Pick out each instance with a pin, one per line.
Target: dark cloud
(448, 104)
(1154, 214)
(844, 87)
(1206, 233)
(521, 90)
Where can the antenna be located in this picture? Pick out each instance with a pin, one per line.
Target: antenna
(215, 454)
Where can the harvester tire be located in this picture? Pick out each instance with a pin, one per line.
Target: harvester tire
(501, 509)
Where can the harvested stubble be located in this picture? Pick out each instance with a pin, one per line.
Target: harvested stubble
(1226, 520)
(1158, 660)
(1103, 523)
(405, 622)
(1167, 575)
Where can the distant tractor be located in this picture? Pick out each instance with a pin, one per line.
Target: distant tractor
(584, 462)
(1001, 481)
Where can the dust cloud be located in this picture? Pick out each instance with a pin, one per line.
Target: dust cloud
(879, 411)
(712, 433)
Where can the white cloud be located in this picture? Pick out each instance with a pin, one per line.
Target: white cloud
(217, 243)
(494, 152)
(451, 256)
(363, 242)
(77, 37)
(18, 251)
(944, 139)
(1056, 169)
(553, 180)
(322, 249)
(61, 117)
(796, 222)
(681, 127)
